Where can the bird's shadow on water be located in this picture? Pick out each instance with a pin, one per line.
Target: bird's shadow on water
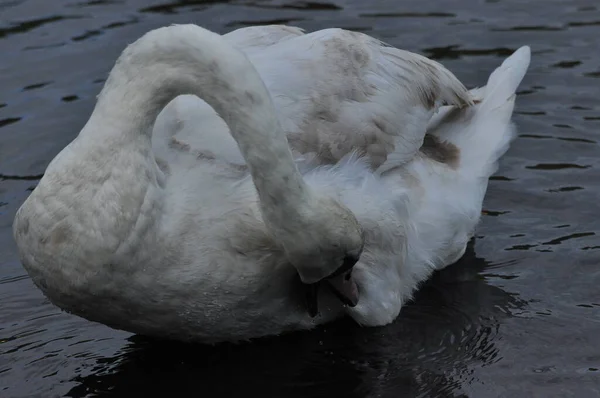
(449, 329)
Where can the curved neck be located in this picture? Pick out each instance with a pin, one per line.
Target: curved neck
(187, 59)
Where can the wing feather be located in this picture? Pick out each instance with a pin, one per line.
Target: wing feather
(337, 92)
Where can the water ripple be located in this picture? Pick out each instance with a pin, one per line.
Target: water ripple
(21, 178)
(298, 5)
(26, 26)
(69, 98)
(173, 7)
(456, 52)
(87, 35)
(538, 28)
(566, 64)
(36, 85)
(565, 189)
(586, 23)
(556, 166)
(562, 239)
(9, 120)
(96, 3)
(409, 15)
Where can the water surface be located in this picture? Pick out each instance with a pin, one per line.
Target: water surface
(518, 316)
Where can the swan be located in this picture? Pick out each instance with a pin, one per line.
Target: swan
(196, 203)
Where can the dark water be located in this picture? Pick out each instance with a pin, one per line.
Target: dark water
(518, 316)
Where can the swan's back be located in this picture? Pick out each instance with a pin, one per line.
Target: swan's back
(337, 91)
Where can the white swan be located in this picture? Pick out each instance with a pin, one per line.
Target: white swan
(186, 245)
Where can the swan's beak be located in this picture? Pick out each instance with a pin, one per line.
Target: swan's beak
(345, 289)
(343, 286)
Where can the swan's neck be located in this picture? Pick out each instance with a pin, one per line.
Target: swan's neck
(187, 59)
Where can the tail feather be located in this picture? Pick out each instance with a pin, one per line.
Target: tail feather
(483, 132)
(503, 82)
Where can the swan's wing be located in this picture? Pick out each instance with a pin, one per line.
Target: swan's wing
(258, 37)
(337, 91)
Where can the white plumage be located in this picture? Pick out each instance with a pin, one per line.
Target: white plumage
(196, 227)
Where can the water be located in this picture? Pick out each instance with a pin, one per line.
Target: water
(518, 316)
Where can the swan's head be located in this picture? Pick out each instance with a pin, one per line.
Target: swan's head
(324, 248)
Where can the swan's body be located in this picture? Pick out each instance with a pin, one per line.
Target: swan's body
(186, 245)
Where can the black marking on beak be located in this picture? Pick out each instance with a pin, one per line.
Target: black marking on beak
(311, 291)
(349, 262)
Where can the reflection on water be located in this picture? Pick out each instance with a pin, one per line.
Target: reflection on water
(451, 326)
(523, 323)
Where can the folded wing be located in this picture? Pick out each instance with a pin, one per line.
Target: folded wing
(338, 91)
